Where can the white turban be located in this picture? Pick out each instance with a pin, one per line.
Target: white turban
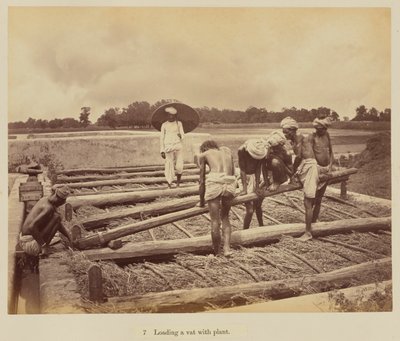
(171, 110)
(257, 148)
(289, 123)
(325, 122)
(276, 138)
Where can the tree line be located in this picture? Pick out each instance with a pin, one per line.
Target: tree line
(138, 115)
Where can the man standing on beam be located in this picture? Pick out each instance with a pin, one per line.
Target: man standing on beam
(218, 189)
(306, 170)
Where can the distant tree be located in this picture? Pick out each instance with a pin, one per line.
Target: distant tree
(385, 115)
(70, 122)
(16, 125)
(138, 114)
(30, 123)
(109, 118)
(346, 118)
(84, 116)
(361, 114)
(334, 116)
(55, 123)
(373, 114)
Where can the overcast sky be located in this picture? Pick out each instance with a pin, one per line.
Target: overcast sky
(61, 59)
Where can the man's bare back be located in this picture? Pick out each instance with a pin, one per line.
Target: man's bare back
(219, 160)
(38, 216)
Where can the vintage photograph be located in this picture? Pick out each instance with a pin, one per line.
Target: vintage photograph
(199, 160)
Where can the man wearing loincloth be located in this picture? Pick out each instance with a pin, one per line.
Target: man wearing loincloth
(42, 223)
(323, 153)
(218, 189)
(305, 168)
(251, 159)
(257, 156)
(171, 148)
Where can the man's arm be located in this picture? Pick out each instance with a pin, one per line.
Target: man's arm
(332, 158)
(65, 232)
(181, 132)
(297, 148)
(162, 136)
(202, 180)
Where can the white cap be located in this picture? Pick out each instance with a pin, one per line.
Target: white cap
(171, 110)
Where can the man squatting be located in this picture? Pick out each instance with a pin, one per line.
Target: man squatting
(258, 156)
(42, 223)
(314, 156)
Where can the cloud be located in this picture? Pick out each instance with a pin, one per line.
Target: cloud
(64, 58)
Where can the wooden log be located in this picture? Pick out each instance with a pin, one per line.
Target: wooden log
(294, 254)
(73, 179)
(259, 235)
(79, 193)
(143, 181)
(196, 299)
(269, 261)
(68, 212)
(120, 169)
(343, 189)
(115, 244)
(95, 281)
(98, 220)
(152, 268)
(101, 200)
(125, 230)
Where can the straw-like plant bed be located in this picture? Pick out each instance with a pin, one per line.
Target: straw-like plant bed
(246, 265)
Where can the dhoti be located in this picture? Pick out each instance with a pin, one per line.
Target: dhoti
(309, 176)
(29, 245)
(220, 184)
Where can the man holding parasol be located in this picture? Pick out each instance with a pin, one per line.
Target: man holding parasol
(173, 120)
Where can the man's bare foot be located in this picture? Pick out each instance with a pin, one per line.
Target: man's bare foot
(273, 187)
(169, 185)
(306, 236)
(228, 252)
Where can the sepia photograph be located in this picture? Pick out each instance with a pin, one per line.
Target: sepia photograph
(198, 161)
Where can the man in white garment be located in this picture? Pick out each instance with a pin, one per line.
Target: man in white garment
(171, 147)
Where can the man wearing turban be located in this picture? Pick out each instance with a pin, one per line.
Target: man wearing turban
(42, 223)
(260, 155)
(313, 157)
(171, 148)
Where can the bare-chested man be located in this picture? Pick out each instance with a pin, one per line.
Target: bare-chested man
(218, 189)
(307, 170)
(42, 223)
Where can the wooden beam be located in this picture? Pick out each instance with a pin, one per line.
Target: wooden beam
(143, 181)
(197, 299)
(352, 247)
(98, 220)
(259, 235)
(181, 228)
(101, 200)
(73, 179)
(125, 230)
(349, 204)
(119, 169)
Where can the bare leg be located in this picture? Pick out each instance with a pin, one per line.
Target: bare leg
(248, 215)
(258, 208)
(317, 204)
(178, 179)
(214, 208)
(226, 225)
(308, 205)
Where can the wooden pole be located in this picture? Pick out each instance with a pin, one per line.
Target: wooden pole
(95, 281)
(98, 220)
(143, 181)
(120, 169)
(73, 179)
(197, 299)
(343, 189)
(260, 235)
(101, 200)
